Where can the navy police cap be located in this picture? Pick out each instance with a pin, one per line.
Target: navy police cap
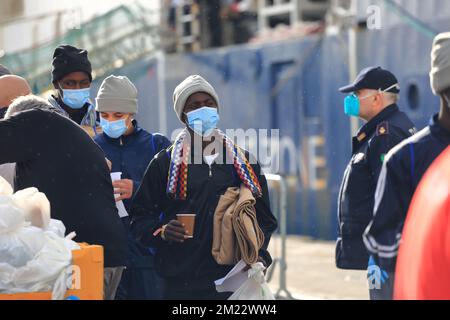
(374, 78)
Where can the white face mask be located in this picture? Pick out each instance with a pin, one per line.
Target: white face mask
(397, 86)
(447, 98)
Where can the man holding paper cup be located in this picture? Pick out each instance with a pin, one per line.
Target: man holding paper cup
(181, 189)
(130, 149)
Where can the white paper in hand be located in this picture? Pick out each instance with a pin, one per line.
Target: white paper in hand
(234, 279)
(120, 207)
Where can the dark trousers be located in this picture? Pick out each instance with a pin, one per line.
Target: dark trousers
(139, 280)
(386, 292)
(140, 284)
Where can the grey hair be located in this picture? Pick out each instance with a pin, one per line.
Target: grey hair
(394, 97)
(28, 103)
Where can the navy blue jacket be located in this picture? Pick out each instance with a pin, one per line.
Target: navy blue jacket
(132, 154)
(356, 196)
(404, 167)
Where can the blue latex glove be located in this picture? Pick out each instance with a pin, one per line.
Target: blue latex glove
(384, 274)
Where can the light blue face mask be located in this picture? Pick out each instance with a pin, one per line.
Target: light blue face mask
(352, 104)
(114, 129)
(203, 120)
(76, 99)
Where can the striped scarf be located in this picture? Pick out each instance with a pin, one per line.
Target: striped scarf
(178, 168)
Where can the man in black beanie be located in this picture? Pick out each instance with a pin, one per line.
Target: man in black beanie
(72, 78)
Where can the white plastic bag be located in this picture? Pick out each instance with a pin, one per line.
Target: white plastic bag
(49, 270)
(11, 217)
(19, 242)
(35, 205)
(32, 259)
(255, 287)
(5, 187)
(56, 227)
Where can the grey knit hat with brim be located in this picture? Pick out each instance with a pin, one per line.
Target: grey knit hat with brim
(440, 63)
(117, 94)
(192, 84)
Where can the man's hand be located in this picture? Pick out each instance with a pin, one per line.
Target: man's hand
(175, 232)
(248, 267)
(123, 188)
(371, 271)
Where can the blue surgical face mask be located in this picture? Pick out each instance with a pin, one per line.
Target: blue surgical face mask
(76, 99)
(352, 104)
(114, 129)
(203, 120)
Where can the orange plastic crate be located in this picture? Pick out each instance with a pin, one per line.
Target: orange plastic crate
(87, 281)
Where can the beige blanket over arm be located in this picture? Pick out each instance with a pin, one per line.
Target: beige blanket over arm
(236, 234)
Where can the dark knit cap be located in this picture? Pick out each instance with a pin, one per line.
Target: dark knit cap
(68, 59)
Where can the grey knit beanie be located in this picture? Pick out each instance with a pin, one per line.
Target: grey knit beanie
(188, 87)
(117, 94)
(440, 63)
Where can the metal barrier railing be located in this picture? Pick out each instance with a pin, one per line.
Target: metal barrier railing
(280, 209)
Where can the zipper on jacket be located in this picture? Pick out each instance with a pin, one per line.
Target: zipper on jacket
(210, 164)
(121, 142)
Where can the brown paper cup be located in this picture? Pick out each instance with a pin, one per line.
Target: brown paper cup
(189, 222)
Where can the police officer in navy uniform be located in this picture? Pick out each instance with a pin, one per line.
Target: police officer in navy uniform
(404, 167)
(372, 97)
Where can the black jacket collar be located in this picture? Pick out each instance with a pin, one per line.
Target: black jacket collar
(367, 131)
(75, 114)
(385, 114)
(438, 131)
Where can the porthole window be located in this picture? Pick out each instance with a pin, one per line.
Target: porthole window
(413, 96)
